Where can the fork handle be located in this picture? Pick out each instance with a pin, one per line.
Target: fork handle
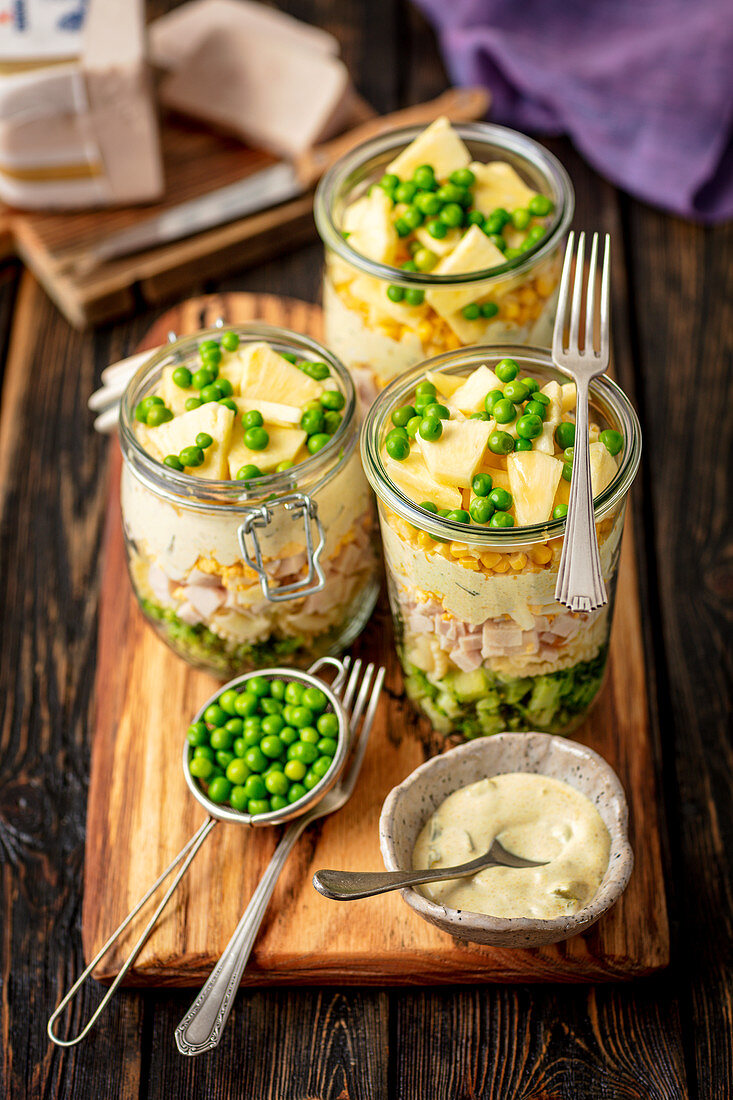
(203, 1025)
(580, 561)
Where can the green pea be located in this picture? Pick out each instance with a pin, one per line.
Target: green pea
(397, 446)
(174, 462)
(159, 414)
(252, 737)
(296, 792)
(534, 235)
(240, 747)
(230, 341)
(225, 388)
(540, 206)
(516, 391)
(214, 715)
(277, 783)
(413, 425)
(255, 759)
(425, 389)
(459, 515)
(542, 398)
(402, 415)
(529, 426)
(211, 393)
(333, 399)
(259, 686)
(412, 217)
(311, 780)
(424, 176)
(481, 509)
(227, 699)
(497, 219)
(204, 440)
(429, 507)
(234, 725)
(506, 370)
(258, 806)
(504, 411)
(197, 734)
(221, 738)
(328, 725)
(208, 345)
(252, 419)
(310, 735)
(270, 706)
(436, 409)
(315, 699)
(491, 399)
(302, 751)
(471, 312)
(482, 484)
(497, 241)
(255, 787)
(272, 747)
(451, 214)
(475, 217)
(148, 402)
(512, 253)
(219, 789)
(200, 767)
(448, 192)
(238, 799)
(428, 203)
(520, 218)
(312, 421)
(565, 434)
(205, 751)
(202, 378)
(389, 181)
(317, 442)
(436, 228)
(182, 377)
(272, 724)
(192, 457)
(489, 310)
(425, 260)
(522, 444)
(501, 499)
(256, 439)
(288, 735)
(501, 519)
(480, 416)
(559, 511)
(402, 228)
(301, 717)
(612, 440)
(327, 746)
(248, 472)
(501, 443)
(321, 766)
(193, 403)
(405, 192)
(414, 297)
(237, 772)
(395, 293)
(568, 454)
(319, 371)
(295, 770)
(246, 704)
(567, 471)
(211, 357)
(535, 408)
(294, 693)
(431, 428)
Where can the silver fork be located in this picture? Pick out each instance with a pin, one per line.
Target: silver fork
(202, 1026)
(580, 581)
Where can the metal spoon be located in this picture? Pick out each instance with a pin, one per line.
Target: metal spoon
(352, 885)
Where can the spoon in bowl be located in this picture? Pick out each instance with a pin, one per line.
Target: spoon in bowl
(353, 885)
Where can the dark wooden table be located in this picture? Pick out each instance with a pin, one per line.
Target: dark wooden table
(665, 1038)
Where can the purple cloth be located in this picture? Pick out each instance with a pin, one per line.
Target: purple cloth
(643, 87)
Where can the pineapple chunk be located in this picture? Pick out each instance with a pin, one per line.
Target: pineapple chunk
(553, 390)
(283, 446)
(413, 478)
(474, 253)
(230, 368)
(439, 247)
(174, 397)
(438, 145)
(456, 456)
(546, 441)
(497, 184)
(603, 469)
(445, 384)
(533, 478)
(214, 419)
(381, 308)
(272, 411)
(568, 396)
(265, 374)
(470, 397)
(368, 221)
(148, 442)
(468, 332)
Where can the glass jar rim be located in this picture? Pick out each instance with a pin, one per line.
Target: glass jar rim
(330, 184)
(204, 494)
(607, 393)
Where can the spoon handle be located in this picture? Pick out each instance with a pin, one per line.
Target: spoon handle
(353, 885)
(202, 1026)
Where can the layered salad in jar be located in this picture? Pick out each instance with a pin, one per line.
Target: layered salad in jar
(471, 460)
(247, 517)
(449, 239)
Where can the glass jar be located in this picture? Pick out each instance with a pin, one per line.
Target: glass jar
(378, 340)
(236, 577)
(483, 644)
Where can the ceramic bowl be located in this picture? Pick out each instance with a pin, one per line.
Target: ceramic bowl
(409, 806)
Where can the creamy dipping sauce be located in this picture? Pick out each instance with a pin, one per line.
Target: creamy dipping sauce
(534, 817)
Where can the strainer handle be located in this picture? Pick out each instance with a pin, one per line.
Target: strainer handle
(202, 1026)
(187, 854)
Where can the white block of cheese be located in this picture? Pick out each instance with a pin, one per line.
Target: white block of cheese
(267, 89)
(176, 36)
(85, 133)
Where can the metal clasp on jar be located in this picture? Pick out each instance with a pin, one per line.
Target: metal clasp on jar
(298, 504)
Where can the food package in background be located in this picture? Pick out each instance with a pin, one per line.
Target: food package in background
(176, 36)
(271, 90)
(82, 133)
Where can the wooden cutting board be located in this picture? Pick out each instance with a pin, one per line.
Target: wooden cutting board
(140, 813)
(56, 246)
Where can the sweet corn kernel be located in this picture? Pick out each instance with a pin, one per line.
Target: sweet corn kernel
(544, 284)
(425, 332)
(490, 559)
(510, 310)
(527, 296)
(518, 561)
(502, 566)
(541, 554)
(469, 563)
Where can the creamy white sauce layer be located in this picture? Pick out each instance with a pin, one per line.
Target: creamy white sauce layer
(534, 817)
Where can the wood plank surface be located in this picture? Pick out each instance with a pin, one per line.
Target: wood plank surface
(305, 938)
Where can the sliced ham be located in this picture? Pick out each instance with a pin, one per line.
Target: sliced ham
(160, 585)
(204, 599)
(188, 614)
(198, 578)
